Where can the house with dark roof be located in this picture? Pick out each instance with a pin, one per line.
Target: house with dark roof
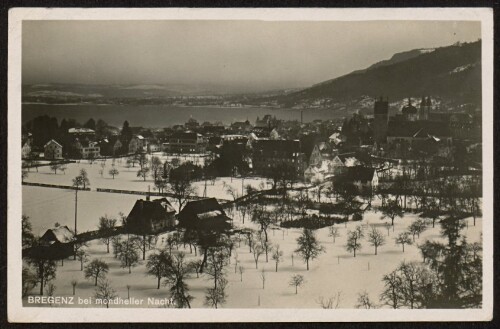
(241, 127)
(361, 177)
(204, 215)
(150, 216)
(185, 142)
(55, 243)
(268, 154)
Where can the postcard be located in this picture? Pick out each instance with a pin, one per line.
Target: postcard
(241, 165)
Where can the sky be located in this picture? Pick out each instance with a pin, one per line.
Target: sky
(246, 55)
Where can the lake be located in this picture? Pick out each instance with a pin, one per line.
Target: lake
(164, 116)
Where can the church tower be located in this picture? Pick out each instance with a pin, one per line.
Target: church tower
(381, 120)
(425, 108)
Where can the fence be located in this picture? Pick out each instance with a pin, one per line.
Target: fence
(162, 194)
(56, 186)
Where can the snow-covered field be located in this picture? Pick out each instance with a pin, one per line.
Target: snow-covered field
(335, 270)
(127, 178)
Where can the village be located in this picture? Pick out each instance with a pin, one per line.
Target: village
(248, 215)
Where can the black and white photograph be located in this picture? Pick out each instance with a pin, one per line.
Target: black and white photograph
(330, 161)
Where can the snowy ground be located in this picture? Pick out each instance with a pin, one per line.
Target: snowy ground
(127, 178)
(335, 270)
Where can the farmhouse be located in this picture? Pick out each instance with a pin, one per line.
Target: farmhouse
(53, 150)
(55, 243)
(205, 214)
(150, 216)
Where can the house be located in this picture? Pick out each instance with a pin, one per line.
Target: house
(342, 161)
(117, 147)
(138, 144)
(361, 177)
(150, 216)
(185, 142)
(153, 147)
(268, 154)
(26, 150)
(318, 173)
(205, 215)
(56, 243)
(81, 132)
(90, 150)
(52, 150)
(321, 151)
(267, 121)
(336, 139)
(241, 127)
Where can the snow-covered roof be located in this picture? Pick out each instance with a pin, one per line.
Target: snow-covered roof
(52, 141)
(61, 234)
(80, 131)
(209, 214)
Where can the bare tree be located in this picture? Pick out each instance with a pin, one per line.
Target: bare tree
(113, 172)
(96, 269)
(296, 281)
(263, 277)
(332, 302)
(277, 255)
(364, 301)
(129, 255)
(45, 271)
(105, 292)
(73, 284)
(391, 210)
(263, 218)
(143, 173)
(391, 295)
(82, 257)
(333, 232)
(106, 228)
(416, 228)
(180, 186)
(241, 269)
(376, 238)
(308, 246)
(353, 238)
(196, 266)
(177, 273)
(402, 239)
(55, 167)
(158, 264)
(156, 168)
(216, 296)
(257, 251)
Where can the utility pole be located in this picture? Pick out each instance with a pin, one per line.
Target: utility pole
(76, 217)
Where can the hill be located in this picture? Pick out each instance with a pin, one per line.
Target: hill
(452, 72)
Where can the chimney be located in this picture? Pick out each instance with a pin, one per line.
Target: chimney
(147, 195)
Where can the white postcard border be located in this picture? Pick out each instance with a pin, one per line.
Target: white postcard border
(18, 313)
